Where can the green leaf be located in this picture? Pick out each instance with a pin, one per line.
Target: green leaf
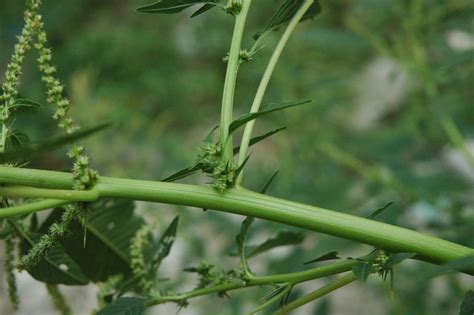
(27, 152)
(242, 236)
(185, 172)
(362, 270)
(379, 211)
(125, 306)
(327, 256)
(467, 305)
(24, 103)
(57, 267)
(263, 190)
(464, 263)
(396, 259)
(259, 138)
(175, 6)
(18, 138)
(285, 13)
(282, 238)
(203, 9)
(163, 247)
(110, 227)
(245, 118)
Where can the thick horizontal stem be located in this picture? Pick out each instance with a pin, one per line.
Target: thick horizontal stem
(244, 202)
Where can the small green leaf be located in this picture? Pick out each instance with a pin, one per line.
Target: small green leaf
(245, 118)
(175, 6)
(268, 183)
(203, 9)
(27, 152)
(185, 172)
(327, 256)
(362, 270)
(379, 210)
(285, 13)
(125, 306)
(18, 138)
(396, 259)
(461, 264)
(467, 305)
(259, 138)
(163, 247)
(282, 238)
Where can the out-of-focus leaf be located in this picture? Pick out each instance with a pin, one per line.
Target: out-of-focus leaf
(467, 305)
(24, 103)
(125, 306)
(379, 210)
(163, 247)
(245, 118)
(397, 258)
(28, 151)
(282, 238)
(461, 264)
(327, 256)
(242, 236)
(18, 138)
(285, 13)
(362, 270)
(175, 6)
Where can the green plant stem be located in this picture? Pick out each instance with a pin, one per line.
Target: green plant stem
(262, 87)
(343, 281)
(231, 79)
(244, 202)
(32, 192)
(292, 279)
(28, 208)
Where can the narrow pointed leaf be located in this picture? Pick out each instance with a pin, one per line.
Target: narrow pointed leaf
(24, 103)
(269, 182)
(185, 172)
(285, 13)
(175, 6)
(125, 306)
(203, 9)
(28, 151)
(245, 118)
(380, 210)
(18, 138)
(163, 247)
(328, 256)
(283, 238)
(259, 138)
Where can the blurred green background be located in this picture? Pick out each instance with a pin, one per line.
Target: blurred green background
(392, 84)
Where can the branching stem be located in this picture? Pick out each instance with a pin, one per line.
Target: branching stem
(262, 87)
(231, 79)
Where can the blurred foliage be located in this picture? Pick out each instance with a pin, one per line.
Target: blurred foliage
(386, 76)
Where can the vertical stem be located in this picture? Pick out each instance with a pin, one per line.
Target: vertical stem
(230, 80)
(266, 79)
